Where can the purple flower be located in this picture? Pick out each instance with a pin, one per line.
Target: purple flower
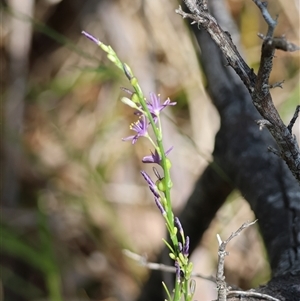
(89, 36)
(154, 105)
(159, 205)
(153, 189)
(177, 222)
(186, 247)
(180, 246)
(151, 184)
(155, 158)
(140, 127)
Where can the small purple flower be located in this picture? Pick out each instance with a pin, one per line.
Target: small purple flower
(154, 105)
(153, 189)
(180, 246)
(186, 247)
(160, 207)
(177, 222)
(155, 158)
(140, 127)
(151, 184)
(89, 36)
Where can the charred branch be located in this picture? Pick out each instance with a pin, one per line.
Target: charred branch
(257, 85)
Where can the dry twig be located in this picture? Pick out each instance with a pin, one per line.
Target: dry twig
(143, 261)
(220, 278)
(223, 290)
(249, 294)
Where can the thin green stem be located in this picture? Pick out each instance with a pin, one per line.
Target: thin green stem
(167, 291)
(177, 291)
(186, 289)
(152, 142)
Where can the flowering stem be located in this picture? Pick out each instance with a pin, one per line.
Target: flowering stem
(167, 177)
(158, 135)
(179, 251)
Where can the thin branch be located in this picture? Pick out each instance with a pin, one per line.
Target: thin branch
(241, 294)
(293, 120)
(224, 41)
(280, 43)
(220, 278)
(142, 260)
(277, 85)
(264, 11)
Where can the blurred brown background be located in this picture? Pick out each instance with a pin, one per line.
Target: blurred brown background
(72, 195)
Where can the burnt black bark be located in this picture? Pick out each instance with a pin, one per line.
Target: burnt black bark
(262, 178)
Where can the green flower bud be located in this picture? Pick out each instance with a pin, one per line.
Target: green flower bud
(175, 230)
(112, 58)
(103, 46)
(182, 259)
(190, 267)
(161, 185)
(135, 98)
(134, 81)
(168, 163)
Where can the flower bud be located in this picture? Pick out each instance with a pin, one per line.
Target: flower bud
(168, 163)
(111, 58)
(127, 71)
(161, 185)
(135, 98)
(129, 102)
(103, 46)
